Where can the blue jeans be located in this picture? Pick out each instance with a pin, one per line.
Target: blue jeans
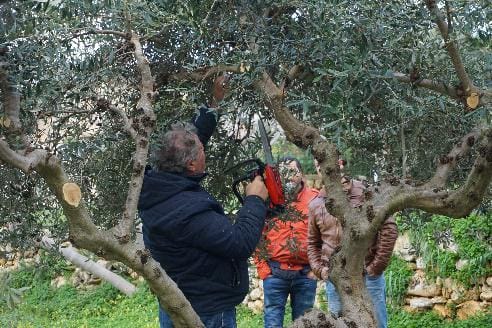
(225, 319)
(302, 291)
(376, 287)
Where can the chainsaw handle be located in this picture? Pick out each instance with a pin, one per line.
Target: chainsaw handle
(272, 181)
(235, 188)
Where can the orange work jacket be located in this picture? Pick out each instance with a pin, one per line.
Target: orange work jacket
(286, 240)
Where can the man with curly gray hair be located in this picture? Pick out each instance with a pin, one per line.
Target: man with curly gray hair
(186, 229)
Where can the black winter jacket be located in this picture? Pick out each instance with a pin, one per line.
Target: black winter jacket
(186, 231)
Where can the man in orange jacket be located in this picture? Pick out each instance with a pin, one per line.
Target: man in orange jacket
(285, 268)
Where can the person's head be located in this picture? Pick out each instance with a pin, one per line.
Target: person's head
(291, 174)
(180, 151)
(346, 183)
(341, 164)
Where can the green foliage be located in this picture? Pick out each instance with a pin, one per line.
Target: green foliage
(434, 238)
(401, 319)
(283, 148)
(104, 306)
(11, 296)
(50, 266)
(246, 319)
(397, 276)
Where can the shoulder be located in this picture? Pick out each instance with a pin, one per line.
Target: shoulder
(357, 188)
(197, 201)
(317, 202)
(308, 194)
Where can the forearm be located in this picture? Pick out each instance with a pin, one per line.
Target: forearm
(385, 244)
(314, 247)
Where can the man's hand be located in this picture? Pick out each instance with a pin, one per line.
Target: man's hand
(324, 274)
(311, 275)
(257, 188)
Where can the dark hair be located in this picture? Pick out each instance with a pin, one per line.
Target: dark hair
(176, 148)
(290, 159)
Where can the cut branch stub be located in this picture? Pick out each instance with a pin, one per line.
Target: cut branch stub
(5, 121)
(72, 193)
(473, 100)
(244, 68)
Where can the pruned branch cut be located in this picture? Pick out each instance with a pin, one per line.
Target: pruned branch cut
(434, 198)
(71, 193)
(451, 47)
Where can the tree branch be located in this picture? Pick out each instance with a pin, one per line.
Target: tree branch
(107, 32)
(11, 103)
(304, 136)
(456, 203)
(439, 87)
(448, 162)
(451, 47)
(25, 163)
(293, 73)
(11, 100)
(127, 123)
(203, 73)
(140, 129)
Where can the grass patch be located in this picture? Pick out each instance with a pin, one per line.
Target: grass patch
(104, 306)
(68, 307)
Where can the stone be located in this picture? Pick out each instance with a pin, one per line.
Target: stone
(8, 248)
(29, 254)
(488, 281)
(256, 307)
(469, 309)
(420, 303)
(403, 248)
(472, 294)
(420, 264)
(461, 264)
(28, 261)
(448, 246)
(410, 309)
(420, 287)
(453, 290)
(439, 300)
(457, 296)
(439, 281)
(94, 280)
(80, 277)
(2, 261)
(104, 263)
(58, 282)
(255, 294)
(486, 294)
(442, 310)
